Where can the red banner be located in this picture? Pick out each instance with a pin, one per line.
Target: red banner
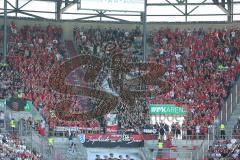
(112, 129)
(114, 137)
(111, 140)
(112, 124)
(166, 159)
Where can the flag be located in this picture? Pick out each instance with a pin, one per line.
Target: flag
(82, 138)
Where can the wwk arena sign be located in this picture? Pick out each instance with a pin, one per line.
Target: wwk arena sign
(166, 109)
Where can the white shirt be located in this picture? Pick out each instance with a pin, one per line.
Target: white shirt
(197, 129)
(233, 34)
(2, 116)
(179, 66)
(233, 141)
(43, 124)
(229, 145)
(177, 56)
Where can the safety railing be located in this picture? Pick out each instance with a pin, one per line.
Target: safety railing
(214, 133)
(230, 103)
(169, 153)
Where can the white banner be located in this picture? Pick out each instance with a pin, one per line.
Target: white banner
(111, 119)
(74, 129)
(2, 103)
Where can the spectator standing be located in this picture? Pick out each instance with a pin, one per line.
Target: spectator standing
(222, 130)
(42, 128)
(13, 124)
(2, 117)
(197, 128)
(173, 130)
(178, 130)
(97, 157)
(166, 128)
(161, 131)
(50, 144)
(70, 139)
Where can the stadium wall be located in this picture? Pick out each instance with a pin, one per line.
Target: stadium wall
(69, 25)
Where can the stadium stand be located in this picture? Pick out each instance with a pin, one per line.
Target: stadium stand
(12, 148)
(201, 65)
(226, 147)
(10, 81)
(191, 69)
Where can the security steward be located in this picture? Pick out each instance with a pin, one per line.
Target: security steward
(222, 130)
(13, 124)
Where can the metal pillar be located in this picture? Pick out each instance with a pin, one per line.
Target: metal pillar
(230, 10)
(145, 31)
(186, 11)
(5, 113)
(16, 14)
(5, 32)
(58, 14)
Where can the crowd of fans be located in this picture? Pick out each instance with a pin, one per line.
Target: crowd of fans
(226, 147)
(33, 52)
(12, 148)
(111, 156)
(10, 81)
(94, 40)
(201, 65)
(236, 129)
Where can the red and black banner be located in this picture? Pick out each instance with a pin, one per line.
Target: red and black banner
(111, 140)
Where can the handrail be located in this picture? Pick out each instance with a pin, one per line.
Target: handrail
(144, 154)
(230, 103)
(224, 114)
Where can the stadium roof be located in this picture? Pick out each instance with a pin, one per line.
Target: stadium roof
(125, 10)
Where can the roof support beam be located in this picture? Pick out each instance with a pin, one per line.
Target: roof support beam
(196, 7)
(25, 4)
(228, 11)
(85, 18)
(9, 11)
(11, 5)
(68, 5)
(180, 4)
(175, 6)
(118, 19)
(101, 14)
(32, 15)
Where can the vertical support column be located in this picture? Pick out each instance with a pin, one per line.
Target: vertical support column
(230, 10)
(221, 116)
(231, 102)
(5, 114)
(144, 21)
(226, 110)
(236, 87)
(16, 8)
(186, 11)
(58, 10)
(5, 32)
(100, 14)
(213, 131)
